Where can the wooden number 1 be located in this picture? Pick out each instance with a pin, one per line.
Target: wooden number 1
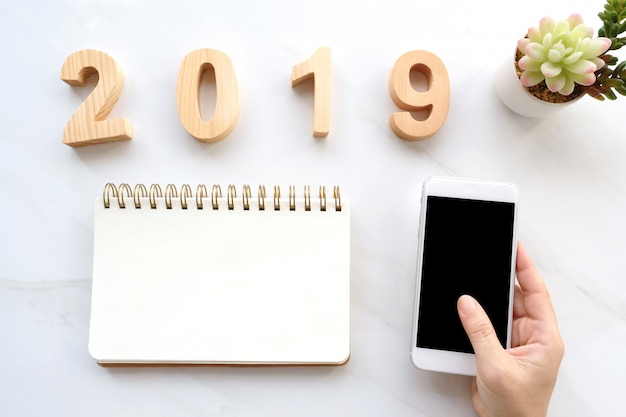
(88, 124)
(436, 99)
(318, 68)
(227, 95)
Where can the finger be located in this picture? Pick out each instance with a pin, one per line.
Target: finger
(478, 328)
(519, 313)
(535, 293)
(519, 309)
(516, 339)
(527, 275)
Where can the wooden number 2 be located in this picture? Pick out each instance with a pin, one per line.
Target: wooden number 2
(227, 95)
(89, 125)
(318, 68)
(436, 99)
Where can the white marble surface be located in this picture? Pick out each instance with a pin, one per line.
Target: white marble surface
(569, 168)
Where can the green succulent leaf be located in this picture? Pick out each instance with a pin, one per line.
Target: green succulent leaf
(612, 77)
(608, 93)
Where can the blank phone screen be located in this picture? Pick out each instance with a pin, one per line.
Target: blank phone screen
(468, 246)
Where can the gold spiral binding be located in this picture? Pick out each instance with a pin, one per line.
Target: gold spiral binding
(185, 191)
(261, 197)
(276, 197)
(154, 193)
(201, 192)
(140, 191)
(216, 192)
(124, 192)
(292, 198)
(170, 191)
(230, 197)
(337, 197)
(120, 194)
(106, 194)
(245, 196)
(307, 198)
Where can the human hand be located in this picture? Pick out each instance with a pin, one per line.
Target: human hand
(518, 381)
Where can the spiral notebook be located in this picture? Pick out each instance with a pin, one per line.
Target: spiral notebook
(197, 277)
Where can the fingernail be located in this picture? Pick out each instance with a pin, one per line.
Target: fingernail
(467, 304)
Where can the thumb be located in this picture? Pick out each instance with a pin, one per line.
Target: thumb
(478, 328)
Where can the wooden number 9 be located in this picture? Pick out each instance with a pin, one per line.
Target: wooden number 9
(436, 100)
(227, 92)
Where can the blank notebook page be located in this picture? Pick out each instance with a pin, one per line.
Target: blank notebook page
(219, 285)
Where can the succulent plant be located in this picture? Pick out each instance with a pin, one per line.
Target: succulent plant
(565, 53)
(561, 53)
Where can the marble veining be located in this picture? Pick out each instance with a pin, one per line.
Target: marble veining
(569, 169)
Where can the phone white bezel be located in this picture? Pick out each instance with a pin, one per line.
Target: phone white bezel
(474, 189)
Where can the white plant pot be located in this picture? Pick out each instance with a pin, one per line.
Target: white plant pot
(517, 98)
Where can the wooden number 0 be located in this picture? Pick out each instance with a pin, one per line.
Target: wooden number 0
(436, 100)
(89, 125)
(318, 68)
(227, 95)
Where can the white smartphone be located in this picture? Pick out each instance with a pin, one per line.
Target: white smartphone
(467, 245)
